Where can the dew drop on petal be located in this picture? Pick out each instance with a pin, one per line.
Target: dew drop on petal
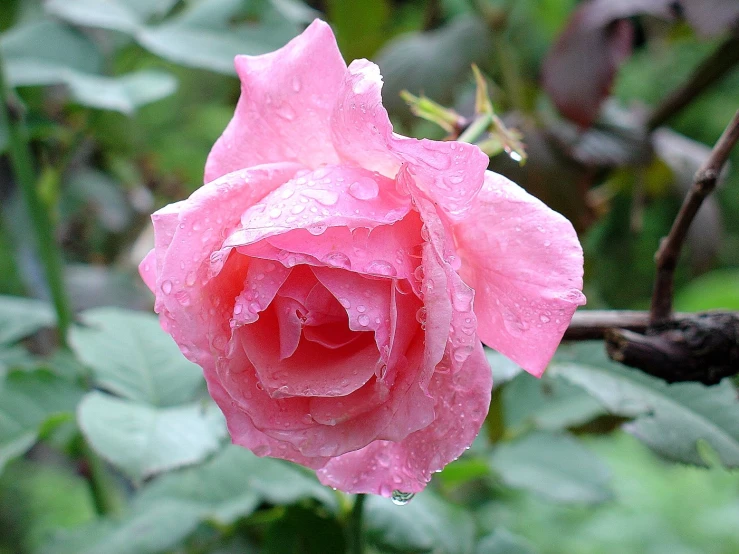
(325, 197)
(363, 320)
(381, 267)
(364, 189)
(400, 498)
(317, 228)
(167, 287)
(274, 213)
(338, 259)
(286, 112)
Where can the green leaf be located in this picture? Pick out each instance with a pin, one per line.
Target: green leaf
(131, 356)
(51, 42)
(717, 290)
(32, 57)
(142, 441)
(426, 524)
(305, 531)
(28, 401)
(503, 369)
(547, 403)
(37, 499)
(117, 16)
(502, 541)
(553, 465)
(154, 529)
(20, 317)
(433, 62)
(203, 35)
(671, 419)
(233, 484)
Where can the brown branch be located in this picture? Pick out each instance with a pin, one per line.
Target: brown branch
(708, 72)
(668, 253)
(596, 324)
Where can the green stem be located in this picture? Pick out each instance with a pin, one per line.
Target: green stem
(355, 531)
(21, 161)
(103, 491)
(476, 129)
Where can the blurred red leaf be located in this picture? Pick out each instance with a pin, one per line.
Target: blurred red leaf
(579, 70)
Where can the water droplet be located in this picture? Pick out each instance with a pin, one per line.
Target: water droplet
(191, 278)
(345, 302)
(401, 498)
(274, 213)
(381, 267)
(364, 189)
(325, 197)
(338, 259)
(182, 297)
(286, 112)
(363, 320)
(544, 319)
(238, 309)
(421, 315)
(297, 209)
(167, 287)
(361, 308)
(296, 83)
(286, 193)
(317, 228)
(418, 273)
(462, 353)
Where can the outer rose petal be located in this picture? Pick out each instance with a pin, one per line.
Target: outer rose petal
(286, 101)
(461, 404)
(451, 173)
(186, 294)
(148, 270)
(526, 265)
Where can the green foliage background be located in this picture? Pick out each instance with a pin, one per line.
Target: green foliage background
(123, 100)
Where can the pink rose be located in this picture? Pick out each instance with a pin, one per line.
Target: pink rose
(334, 279)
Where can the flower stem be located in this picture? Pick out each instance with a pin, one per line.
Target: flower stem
(476, 129)
(355, 531)
(21, 161)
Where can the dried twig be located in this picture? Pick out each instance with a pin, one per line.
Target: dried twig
(668, 253)
(675, 347)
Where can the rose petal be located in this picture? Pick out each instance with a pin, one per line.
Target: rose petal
(451, 173)
(148, 270)
(289, 419)
(461, 403)
(284, 110)
(321, 199)
(243, 432)
(187, 296)
(526, 265)
(313, 370)
(365, 301)
(263, 280)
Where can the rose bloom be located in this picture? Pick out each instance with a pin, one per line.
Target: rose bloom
(335, 280)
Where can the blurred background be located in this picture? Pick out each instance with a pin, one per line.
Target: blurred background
(119, 102)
